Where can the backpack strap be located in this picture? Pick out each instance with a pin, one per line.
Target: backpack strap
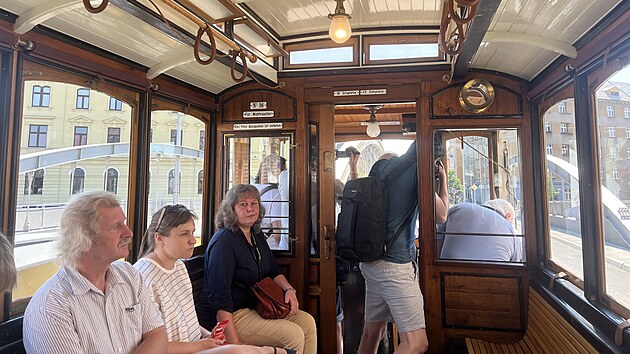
(398, 231)
(268, 188)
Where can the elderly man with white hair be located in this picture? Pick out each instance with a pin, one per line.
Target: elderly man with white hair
(481, 232)
(94, 303)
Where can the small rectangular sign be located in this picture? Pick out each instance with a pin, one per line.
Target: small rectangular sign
(346, 93)
(258, 114)
(360, 92)
(257, 126)
(258, 105)
(373, 92)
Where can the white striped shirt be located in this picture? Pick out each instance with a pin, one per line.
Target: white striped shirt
(68, 314)
(171, 291)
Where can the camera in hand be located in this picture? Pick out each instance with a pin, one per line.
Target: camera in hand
(346, 153)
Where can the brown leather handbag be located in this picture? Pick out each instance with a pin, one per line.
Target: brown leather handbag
(270, 299)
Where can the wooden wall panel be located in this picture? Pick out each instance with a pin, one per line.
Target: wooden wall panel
(284, 107)
(445, 103)
(481, 301)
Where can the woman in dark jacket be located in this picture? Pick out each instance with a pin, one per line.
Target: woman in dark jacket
(236, 258)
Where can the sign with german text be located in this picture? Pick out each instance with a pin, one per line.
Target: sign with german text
(257, 126)
(360, 92)
(258, 114)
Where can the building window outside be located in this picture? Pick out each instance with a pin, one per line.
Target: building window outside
(564, 128)
(611, 132)
(37, 184)
(547, 127)
(83, 98)
(200, 182)
(613, 153)
(610, 111)
(562, 107)
(174, 136)
(565, 149)
(628, 153)
(37, 135)
(41, 96)
(615, 173)
(567, 194)
(627, 133)
(202, 140)
(150, 135)
(113, 135)
(626, 112)
(115, 104)
(549, 149)
(80, 136)
(78, 181)
(111, 181)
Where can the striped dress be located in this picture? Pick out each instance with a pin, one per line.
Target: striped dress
(171, 291)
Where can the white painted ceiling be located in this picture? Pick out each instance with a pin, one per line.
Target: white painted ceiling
(523, 38)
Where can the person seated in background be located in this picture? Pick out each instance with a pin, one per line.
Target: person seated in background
(236, 258)
(476, 232)
(95, 303)
(170, 238)
(267, 182)
(7, 265)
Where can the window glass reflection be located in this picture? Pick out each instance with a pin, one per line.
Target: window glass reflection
(612, 98)
(483, 171)
(264, 161)
(174, 153)
(62, 125)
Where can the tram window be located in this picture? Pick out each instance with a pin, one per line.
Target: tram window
(484, 176)
(400, 49)
(172, 156)
(322, 54)
(615, 184)
(265, 161)
(53, 176)
(563, 197)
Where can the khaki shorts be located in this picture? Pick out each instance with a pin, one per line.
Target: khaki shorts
(392, 294)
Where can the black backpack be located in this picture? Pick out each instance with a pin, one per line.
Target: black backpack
(362, 222)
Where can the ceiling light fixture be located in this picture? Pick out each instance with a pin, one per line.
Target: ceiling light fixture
(339, 30)
(373, 130)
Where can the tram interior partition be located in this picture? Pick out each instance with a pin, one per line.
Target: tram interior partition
(488, 301)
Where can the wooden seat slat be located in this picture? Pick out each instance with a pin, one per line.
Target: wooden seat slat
(547, 332)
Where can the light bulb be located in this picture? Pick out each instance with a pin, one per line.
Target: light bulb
(373, 130)
(340, 29)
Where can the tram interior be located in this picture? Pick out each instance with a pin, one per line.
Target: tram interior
(176, 101)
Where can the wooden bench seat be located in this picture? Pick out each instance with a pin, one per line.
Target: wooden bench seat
(547, 332)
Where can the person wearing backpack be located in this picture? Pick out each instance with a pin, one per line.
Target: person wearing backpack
(392, 288)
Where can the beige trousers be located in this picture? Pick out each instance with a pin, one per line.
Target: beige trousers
(298, 332)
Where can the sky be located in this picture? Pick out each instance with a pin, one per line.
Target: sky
(622, 75)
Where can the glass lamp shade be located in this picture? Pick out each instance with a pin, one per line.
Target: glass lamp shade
(340, 29)
(373, 130)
